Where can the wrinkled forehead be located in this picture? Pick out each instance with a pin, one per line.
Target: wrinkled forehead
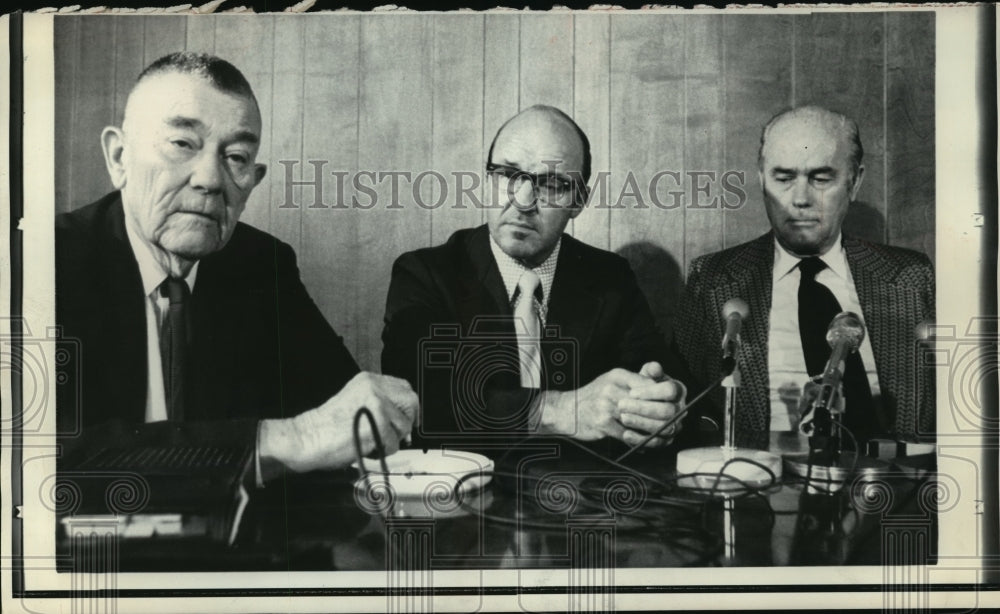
(160, 97)
(805, 143)
(532, 140)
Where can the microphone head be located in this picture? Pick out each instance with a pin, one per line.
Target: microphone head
(925, 331)
(846, 326)
(735, 306)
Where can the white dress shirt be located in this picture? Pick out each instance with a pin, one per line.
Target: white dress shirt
(785, 360)
(156, 310)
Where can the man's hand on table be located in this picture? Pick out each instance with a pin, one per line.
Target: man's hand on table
(323, 438)
(621, 404)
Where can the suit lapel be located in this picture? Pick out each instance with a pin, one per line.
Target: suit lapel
(574, 307)
(125, 319)
(749, 276)
(481, 291)
(879, 295)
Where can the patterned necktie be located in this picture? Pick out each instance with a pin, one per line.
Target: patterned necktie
(173, 345)
(529, 329)
(817, 307)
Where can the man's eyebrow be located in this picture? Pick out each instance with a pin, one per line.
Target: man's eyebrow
(179, 121)
(780, 170)
(823, 170)
(246, 136)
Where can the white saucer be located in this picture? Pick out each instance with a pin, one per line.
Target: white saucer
(415, 473)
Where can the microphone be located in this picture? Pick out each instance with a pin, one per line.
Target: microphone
(733, 312)
(845, 334)
(925, 332)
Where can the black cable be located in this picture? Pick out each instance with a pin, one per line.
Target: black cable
(679, 416)
(671, 532)
(379, 450)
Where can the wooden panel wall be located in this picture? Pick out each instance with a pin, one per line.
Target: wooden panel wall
(686, 94)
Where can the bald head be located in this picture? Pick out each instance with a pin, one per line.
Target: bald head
(538, 167)
(810, 172)
(550, 124)
(814, 119)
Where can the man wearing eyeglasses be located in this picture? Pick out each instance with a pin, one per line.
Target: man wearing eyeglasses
(515, 328)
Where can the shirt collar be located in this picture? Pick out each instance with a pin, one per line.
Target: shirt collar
(149, 269)
(785, 261)
(511, 270)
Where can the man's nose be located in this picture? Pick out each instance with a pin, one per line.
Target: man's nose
(523, 195)
(800, 193)
(207, 174)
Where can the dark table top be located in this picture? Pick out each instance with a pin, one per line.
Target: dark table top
(551, 504)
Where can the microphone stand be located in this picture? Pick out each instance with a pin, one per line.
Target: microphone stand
(731, 383)
(724, 470)
(824, 443)
(826, 466)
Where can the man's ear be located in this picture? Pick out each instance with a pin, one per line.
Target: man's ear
(582, 198)
(113, 144)
(259, 170)
(857, 182)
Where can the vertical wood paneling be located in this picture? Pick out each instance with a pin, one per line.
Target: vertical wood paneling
(130, 44)
(501, 76)
(592, 111)
(331, 261)
(820, 57)
(546, 60)
(68, 151)
(704, 145)
(457, 144)
(395, 136)
(546, 63)
(249, 45)
(758, 62)
(95, 105)
(201, 33)
(416, 93)
(164, 34)
(910, 131)
(287, 126)
(647, 136)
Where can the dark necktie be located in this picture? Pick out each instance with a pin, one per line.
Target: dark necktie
(173, 345)
(817, 307)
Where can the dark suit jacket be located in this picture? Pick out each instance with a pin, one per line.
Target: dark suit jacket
(260, 347)
(452, 296)
(896, 291)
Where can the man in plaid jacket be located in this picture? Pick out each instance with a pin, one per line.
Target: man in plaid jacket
(810, 169)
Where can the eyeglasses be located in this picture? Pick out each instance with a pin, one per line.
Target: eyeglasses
(548, 188)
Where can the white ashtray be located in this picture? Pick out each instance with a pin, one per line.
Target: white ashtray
(416, 473)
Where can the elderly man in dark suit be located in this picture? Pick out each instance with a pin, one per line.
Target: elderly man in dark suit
(192, 325)
(800, 274)
(515, 327)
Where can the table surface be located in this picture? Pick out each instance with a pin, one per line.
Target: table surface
(551, 504)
